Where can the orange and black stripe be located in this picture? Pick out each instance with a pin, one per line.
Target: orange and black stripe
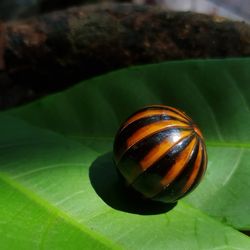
(160, 152)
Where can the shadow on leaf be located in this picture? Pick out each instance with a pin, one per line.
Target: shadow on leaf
(112, 190)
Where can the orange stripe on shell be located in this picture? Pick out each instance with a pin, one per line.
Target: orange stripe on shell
(195, 171)
(180, 163)
(161, 149)
(151, 129)
(181, 113)
(153, 112)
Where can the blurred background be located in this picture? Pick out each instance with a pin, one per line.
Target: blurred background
(234, 9)
(33, 62)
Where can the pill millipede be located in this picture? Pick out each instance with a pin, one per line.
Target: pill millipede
(161, 153)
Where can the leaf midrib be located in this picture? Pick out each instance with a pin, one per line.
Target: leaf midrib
(208, 143)
(68, 219)
(58, 213)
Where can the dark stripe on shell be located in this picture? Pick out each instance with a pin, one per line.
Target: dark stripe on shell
(176, 111)
(199, 175)
(129, 163)
(161, 107)
(174, 190)
(149, 182)
(120, 141)
(201, 170)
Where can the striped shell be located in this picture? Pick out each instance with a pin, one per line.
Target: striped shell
(161, 153)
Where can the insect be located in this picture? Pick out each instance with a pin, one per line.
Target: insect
(161, 153)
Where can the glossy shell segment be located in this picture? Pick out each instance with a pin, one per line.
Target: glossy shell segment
(161, 153)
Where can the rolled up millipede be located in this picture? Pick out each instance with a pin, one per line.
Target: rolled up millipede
(161, 153)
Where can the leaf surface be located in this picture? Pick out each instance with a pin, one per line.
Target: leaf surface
(73, 179)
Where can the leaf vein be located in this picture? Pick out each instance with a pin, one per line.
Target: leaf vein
(52, 209)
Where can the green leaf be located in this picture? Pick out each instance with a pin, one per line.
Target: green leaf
(32, 162)
(48, 202)
(215, 93)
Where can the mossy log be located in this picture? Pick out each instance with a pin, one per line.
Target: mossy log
(53, 51)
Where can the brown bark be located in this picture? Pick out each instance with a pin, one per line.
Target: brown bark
(53, 51)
